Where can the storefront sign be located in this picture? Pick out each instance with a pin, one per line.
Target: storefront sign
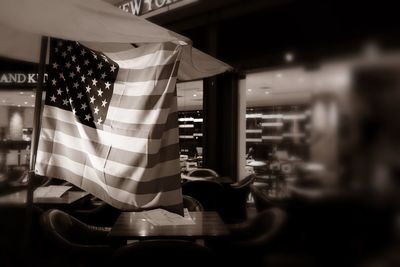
(142, 7)
(8, 79)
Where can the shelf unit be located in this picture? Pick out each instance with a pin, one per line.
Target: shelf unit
(279, 127)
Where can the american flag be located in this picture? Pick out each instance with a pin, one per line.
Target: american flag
(82, 81)
(110, 124)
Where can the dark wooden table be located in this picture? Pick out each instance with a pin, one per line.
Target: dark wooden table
(19, 198)
(133, 225)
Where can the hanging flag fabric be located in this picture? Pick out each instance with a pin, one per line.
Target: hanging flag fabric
(110, 124)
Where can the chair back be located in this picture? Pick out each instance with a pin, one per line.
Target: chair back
(66, 232)
(164, 253)
(235, 202)
(203, 173)
(261, 200)
(192, 204)
(209, 193)
(100, 213)
(259, 232)
(244, 183)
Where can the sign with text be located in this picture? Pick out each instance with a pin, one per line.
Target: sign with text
(147, 7)
(18, 79)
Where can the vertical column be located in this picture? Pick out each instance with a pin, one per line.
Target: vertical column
(220, 118)
(210, 123)
(227, 138)
(221, 124)
(210, 108)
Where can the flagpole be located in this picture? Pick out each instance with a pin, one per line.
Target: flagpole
(35, 139)
(37, 116)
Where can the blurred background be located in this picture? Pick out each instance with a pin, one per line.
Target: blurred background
(311, 108)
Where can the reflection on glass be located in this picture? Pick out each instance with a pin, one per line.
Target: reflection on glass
(190, 119)
(292, 121)
(16, 122)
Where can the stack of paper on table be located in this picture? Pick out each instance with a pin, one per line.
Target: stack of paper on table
(50, 191)
(163, 217)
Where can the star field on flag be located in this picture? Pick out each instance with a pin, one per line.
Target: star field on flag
(81, 81)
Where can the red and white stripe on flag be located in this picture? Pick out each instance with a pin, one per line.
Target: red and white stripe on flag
(110, 124)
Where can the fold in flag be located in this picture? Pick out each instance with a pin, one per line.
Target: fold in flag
(110, 124)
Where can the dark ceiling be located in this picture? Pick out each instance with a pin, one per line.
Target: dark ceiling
(257, 33)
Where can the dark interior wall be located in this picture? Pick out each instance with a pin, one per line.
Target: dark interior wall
(254, 34)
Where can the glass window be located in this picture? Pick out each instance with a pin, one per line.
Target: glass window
(190, 118)
(16, 124)
(291, 123)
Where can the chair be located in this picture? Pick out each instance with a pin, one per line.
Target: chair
(250, 241)
(203, 173)
(236, 198)
(191, 204)
(70, 239)
(208, 193)
(100, 213)
(261, 200)
(164, 252)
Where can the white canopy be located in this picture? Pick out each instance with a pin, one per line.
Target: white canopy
(24, 22)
